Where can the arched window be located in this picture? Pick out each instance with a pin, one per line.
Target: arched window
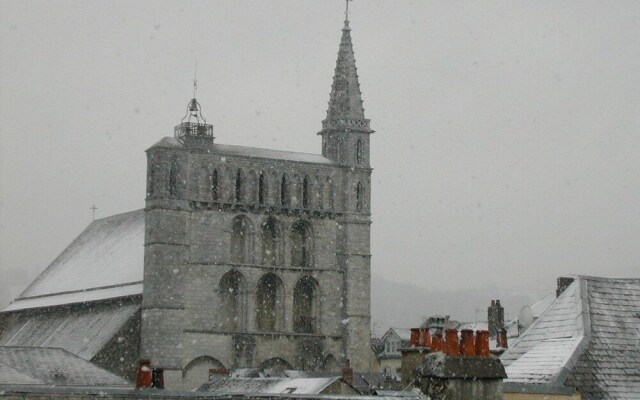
(328, 194)
(301, 244)
(198, 371)
(305, 192)
(270, 303)
(284, 191)
(360, 151)
(173, 179)
(359, 197)
(271, 242)
(276, 364)
(241, 243)
(215, 185)
(233, 299)
(261, 188)
(239, 188)
(305, 306)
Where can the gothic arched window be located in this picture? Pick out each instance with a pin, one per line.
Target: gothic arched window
(261, 188)
(306, 306)
(215, 185)
(284, 191)
(359, 197)
(173, 179)
(238, 195)
(301, 244)
(305, 192)
(233, 299)
(360, 151)
(270, 303)
(271, 242)
(241, 240)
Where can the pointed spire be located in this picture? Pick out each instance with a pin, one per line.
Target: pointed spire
(345, 103)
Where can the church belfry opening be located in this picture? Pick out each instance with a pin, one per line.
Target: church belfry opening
(258, 257)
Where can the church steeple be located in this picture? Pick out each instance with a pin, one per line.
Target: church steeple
(345, 129)
(345, 102)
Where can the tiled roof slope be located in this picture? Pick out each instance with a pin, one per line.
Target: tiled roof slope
(81, 330)
(56, 367)
(609, 367)
(105, 261)
(589, 338)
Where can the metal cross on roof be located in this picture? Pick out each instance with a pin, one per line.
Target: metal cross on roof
(346, 13)
(93, 209)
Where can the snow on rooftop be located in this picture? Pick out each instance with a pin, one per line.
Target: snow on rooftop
(227, 386)
(253, 152)
(83, 331)
(56, 367)
(105, 261)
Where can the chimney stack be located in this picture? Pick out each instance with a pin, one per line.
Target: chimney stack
(482, 343)
(502, 339)
(563, 284)
(495, 314)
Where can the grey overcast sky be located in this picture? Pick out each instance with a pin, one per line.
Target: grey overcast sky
(507, 149)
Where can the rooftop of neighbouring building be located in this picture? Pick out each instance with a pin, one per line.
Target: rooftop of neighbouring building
(588, 338)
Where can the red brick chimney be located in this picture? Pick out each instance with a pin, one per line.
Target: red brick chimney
(144, 378)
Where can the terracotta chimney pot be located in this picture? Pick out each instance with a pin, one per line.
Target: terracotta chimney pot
(482, 343)
(467, 343)
(144, 378)
(437, 344)
(425, 337)
(451, 344)
(415, 337)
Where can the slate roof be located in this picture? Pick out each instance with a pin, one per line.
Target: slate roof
(105, 261)
(233, 386)
(252, 152)
(50, 366)
(588, 338)
(81, 330)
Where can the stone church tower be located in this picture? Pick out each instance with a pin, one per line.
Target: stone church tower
(257, 257)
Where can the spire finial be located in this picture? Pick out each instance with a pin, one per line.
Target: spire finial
(346, 12)
(195, 81)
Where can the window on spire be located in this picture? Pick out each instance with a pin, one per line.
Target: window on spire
(360, 151)
(359, 197)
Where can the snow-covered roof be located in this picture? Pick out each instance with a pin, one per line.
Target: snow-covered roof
(105, 261)
(588, 338)
(52, 366)
(231, 386)
(82, 330)
(252, 152)
(401, 333)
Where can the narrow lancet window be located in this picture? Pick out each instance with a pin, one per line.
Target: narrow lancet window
(360, 151)
(305, 192)
(359, 197)
(238, 195)
(261, 188)
(173, 179)
(284, 191)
